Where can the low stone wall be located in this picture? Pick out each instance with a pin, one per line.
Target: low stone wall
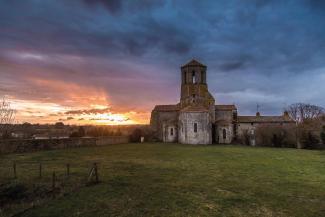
(111, 140)
(30, 145)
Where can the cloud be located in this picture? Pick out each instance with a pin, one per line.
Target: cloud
(231, 66)
(110, 119)
(89, 111)
(111, 5)
(126, 54)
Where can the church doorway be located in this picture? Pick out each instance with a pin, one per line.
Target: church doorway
(214, 135)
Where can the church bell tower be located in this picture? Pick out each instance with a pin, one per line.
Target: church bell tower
(194, 89)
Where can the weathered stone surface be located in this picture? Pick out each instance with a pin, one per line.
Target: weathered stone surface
(201, 135)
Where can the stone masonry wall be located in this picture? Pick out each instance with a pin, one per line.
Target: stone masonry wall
(186, 132)
(30, 145)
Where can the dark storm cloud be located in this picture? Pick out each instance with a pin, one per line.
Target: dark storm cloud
(256, 51)
(118, 6)
(231, 66)
(111, 5)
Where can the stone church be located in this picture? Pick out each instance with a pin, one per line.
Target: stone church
(196, 119)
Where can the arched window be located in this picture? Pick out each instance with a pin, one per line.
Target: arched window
(193, 98)
(224, 134)
(171, 131)
(193, 77)
(195, 127)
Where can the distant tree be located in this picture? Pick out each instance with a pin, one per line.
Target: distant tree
(7, 118)
(118, 133)
(26, 124)
(302, 111)
(27, 129)
(74, 134)
(59, 125)
(81, 131)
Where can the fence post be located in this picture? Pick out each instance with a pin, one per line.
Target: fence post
(15, 172)
(68, 170)
(40, 170)
(53, 181)
(96, 172)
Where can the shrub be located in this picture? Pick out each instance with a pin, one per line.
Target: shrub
(322, 135)
(12, 191)
(309, 140)
(310, 133)
(244, 138)
(276, 136)
(136, 135)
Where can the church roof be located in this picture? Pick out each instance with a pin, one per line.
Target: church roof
(225, 107)
(166, 108)
(194, 62)
(264, 119)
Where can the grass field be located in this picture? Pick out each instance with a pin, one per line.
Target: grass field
(166, 180)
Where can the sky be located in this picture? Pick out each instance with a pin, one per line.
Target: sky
(112, 61)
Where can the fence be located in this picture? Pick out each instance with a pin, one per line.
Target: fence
(24, 184)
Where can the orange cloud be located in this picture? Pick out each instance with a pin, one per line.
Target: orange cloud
(73, 104)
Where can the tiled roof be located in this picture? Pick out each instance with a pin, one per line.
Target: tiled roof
(194, 62)
(264, 119)
(166, 108)
(225, 107)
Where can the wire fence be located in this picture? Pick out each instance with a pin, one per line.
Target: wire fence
(53, 175)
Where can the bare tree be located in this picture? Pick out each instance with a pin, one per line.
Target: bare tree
(302, 111)
(7, 116)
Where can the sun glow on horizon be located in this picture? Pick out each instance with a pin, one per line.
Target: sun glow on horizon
(46, 113)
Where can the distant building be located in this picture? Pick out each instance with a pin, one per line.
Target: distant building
(197, 120)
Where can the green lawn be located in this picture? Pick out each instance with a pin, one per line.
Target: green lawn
(167, 180)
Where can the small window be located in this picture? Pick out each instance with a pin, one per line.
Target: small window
(195, 127)
(224, 134)
(252, 123)
(171, 131)
(193, 98)
(193, 77)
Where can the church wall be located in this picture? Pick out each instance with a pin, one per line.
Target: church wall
(228, 133)
(187, 134)
(246, 127)
(160, 120)
(170, 133)
(243, 127)
(224, 115)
